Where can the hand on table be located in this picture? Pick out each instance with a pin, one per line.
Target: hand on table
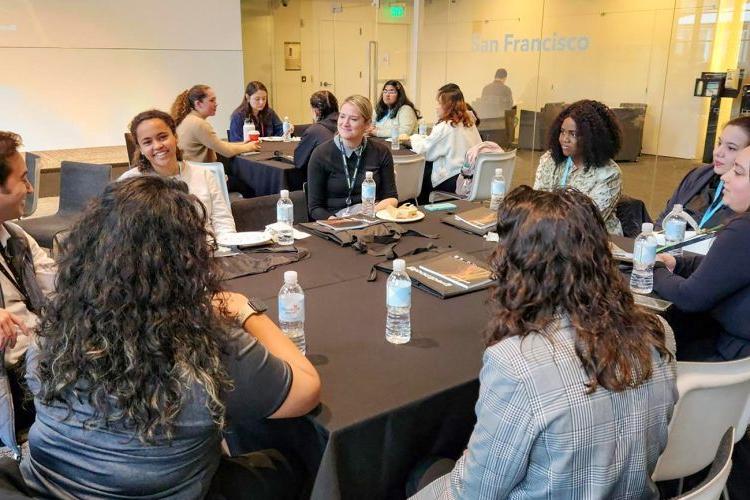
(668, 261)
(9, 326)
(252, 146)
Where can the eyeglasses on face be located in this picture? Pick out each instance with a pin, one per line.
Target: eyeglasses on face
(390, 92)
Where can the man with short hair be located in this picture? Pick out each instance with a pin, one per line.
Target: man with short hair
(498, 93)
(26, 272)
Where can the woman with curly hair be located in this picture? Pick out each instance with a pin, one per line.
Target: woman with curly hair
(449, 140)
(395, 109)
(583, 140)
(197, 139)
(254, 107)
(157, 153)
(141, 360)
(577, 385)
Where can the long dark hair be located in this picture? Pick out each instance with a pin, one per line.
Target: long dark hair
(553, 257)
(244, 107)
(185, 101)
(598, 133)
(381, 109)
(324, 102)
(140, 159)
(131, 326)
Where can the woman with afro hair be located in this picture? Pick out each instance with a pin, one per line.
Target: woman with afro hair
(583, 140)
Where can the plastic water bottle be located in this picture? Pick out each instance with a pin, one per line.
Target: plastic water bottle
(644, 256)
(287, 126)
(292, 310)
(674, 228)
(498, 189)
(368, 195)
(394, 138)
(248, 127)
(422, 127)
(285, 218)
(398, 302)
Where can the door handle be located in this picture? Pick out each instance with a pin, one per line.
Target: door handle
(326, 84)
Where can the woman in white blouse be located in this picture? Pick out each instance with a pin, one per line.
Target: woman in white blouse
(450, 139)
(394, 109)
(154, 132)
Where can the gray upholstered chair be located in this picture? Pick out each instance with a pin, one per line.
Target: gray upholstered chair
(34, 173)
(79, 182)
(254, 214)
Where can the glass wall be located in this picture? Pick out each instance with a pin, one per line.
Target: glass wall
(641, 58)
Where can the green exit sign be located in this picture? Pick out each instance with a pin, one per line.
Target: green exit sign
(397, 10)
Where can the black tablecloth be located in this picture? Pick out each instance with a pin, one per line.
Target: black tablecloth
(384, 406)
(265, 176)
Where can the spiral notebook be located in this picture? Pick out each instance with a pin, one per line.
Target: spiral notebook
(478, 220)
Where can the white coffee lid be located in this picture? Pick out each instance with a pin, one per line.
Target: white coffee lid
(399, 265)
(290, 277)
(284, 193)
(647, 227)
(368, 174)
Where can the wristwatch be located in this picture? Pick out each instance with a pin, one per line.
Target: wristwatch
(253, 306)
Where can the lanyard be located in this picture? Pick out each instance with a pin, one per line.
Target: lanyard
(716, 204)
(351, 180)
(566, 172)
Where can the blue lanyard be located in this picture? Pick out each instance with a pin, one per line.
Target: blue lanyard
(716, 204)
(566, 172)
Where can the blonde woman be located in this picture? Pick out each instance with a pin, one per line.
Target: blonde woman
(337, 167)
(197, 139)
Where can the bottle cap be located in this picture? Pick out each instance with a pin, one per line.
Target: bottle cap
(498, 171)
(290, 277)
(399, 265)
(677, 208)
(368, 175)
(284, 193)
(647, 227)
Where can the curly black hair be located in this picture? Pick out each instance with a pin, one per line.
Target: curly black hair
(598, 133)
(553, 256)
(131, 326)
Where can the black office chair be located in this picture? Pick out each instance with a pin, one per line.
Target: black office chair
(254, 214)
(79, 183)
(632, 213)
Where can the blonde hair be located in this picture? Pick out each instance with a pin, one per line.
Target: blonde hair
(362, 104)
(184, 103)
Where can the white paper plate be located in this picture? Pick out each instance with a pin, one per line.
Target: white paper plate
(245, 239)
(383, 214)
(277, 138)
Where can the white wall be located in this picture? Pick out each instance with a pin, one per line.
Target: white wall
(81, 69)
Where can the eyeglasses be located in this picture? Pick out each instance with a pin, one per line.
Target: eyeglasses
(390, 92)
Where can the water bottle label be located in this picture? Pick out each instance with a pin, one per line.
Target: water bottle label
(368, 191)
(644, 253)
(292, 307)
(674, 229)
(285, 127)
(399, 295)
(284, 213)
(498, 188)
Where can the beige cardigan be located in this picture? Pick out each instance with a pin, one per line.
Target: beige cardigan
(198, 141)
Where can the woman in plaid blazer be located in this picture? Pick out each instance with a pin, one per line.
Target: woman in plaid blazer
(577, 384)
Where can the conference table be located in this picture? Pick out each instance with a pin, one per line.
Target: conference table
(265, 174)
(384, 406)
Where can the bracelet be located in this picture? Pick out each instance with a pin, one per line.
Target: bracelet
(244, 314)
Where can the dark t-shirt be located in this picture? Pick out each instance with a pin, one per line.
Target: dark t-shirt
(326, 180)
(67, 460)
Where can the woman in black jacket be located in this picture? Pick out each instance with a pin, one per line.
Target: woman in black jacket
(325, 110)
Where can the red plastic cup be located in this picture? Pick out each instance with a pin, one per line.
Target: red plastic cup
(253, 136)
